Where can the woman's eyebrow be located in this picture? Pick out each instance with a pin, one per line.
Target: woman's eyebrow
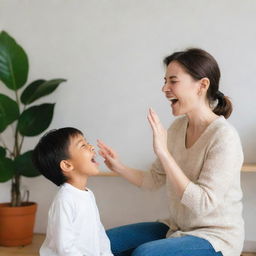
(170, 77)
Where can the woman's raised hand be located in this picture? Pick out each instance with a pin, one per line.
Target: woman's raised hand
(159, 133)
(111, 158)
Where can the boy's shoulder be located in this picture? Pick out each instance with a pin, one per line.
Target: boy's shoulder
(63, 197)
(69, 193)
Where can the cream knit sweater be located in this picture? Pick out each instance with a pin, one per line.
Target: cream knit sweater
(211, 206)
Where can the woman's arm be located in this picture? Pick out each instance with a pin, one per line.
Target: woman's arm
(176, 176)
(112, 161)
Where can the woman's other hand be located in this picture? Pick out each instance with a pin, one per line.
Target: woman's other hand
(112, 161)
(111, 158)
(159, 134)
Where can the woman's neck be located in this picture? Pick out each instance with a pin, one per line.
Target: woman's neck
(200, 119)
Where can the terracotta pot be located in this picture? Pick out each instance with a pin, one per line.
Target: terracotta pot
(17, 224)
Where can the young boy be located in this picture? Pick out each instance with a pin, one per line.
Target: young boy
(74, 228)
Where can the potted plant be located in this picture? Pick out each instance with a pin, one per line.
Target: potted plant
(25, 120)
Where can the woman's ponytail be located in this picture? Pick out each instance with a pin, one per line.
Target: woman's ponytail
(224, 106)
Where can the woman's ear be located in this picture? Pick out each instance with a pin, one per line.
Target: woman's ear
(204, 85)
(66, 166)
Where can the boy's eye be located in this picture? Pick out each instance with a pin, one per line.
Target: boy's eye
(85, 145)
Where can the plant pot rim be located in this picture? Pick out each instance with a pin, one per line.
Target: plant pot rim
(24, 204)
(7, 210)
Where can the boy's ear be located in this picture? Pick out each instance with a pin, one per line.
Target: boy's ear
(66, 166)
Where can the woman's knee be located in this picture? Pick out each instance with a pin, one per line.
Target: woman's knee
(143, 249)
(152, 249)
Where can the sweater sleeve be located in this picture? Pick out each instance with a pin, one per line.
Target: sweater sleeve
(221, 167)
(154, 178)
(63, 232)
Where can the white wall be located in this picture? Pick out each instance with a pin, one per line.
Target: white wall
(111, 53)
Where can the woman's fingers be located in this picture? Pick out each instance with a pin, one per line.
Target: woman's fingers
(154, 120)
(151, 122)
(106, 148)
(105, 155)
(102, 154)
(154, 115)
(102, 145)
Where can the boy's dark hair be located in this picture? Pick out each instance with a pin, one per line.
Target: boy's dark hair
(51, 150)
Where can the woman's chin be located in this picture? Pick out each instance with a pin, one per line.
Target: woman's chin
(176, 113)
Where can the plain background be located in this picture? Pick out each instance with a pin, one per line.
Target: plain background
(111, 53)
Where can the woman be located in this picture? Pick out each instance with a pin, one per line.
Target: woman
(199, 160)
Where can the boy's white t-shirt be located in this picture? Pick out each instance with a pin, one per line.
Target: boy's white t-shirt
(74, 226)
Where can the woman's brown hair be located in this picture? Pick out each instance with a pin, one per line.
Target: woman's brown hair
(199, 64)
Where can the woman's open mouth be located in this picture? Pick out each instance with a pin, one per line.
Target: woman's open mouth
(173, 100)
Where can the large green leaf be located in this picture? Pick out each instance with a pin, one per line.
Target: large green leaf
(2, 152)
(9, 111)
(13, 62)
(35, 120)
(7, 170)
(24, 165)
(38, 89)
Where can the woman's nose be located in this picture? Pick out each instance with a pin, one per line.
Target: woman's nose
(165, 88)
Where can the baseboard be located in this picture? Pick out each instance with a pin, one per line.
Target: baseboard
(249, 246)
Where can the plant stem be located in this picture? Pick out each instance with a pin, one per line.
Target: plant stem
(16, 143)
(17, 98)
(22, 139)
(16, 136)
(15, 190)
(16, 196)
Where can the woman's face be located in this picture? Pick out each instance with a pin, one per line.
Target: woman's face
(180, 89)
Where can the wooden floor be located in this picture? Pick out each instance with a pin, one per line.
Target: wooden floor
(32, 250)
(29, 250)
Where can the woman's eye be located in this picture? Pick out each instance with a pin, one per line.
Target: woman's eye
(173, 82)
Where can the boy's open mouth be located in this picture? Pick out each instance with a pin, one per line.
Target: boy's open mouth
(94, 161)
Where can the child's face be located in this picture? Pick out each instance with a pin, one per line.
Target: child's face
(81, 156)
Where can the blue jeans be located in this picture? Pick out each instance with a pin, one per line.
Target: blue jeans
(148, 239)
